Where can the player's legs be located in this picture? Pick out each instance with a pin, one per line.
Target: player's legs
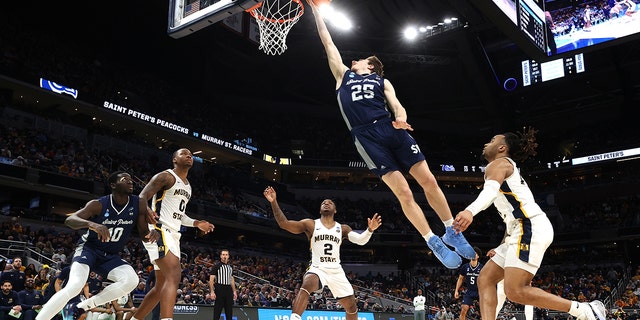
(350, 307)
(78, 276)
(489, 277)
(165, 290)
(436, 199)
(170, 268)
(400, 188)
(518, 273)
(310, 283)
(124, 280)
(501, 297)
(518, 289)
(151, 299)
(528, 312)
(463, 311)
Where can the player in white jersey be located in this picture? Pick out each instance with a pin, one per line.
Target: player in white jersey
(171, 192)
(529, 233)
(325, 236)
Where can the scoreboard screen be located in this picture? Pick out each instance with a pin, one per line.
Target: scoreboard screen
(534, 72)
(576, 25)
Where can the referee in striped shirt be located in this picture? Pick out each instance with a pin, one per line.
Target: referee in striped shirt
(223, 287)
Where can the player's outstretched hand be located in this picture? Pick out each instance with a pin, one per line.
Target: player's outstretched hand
(401, 124)
(375, 222)
(270, 194)
(463, 220)
(205, 226)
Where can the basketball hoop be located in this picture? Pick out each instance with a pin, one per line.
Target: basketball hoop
(275, 18)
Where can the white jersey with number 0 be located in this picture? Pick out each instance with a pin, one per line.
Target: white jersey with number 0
(515, 200)
(171, 204)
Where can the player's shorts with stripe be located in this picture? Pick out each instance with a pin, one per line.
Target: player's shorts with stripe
(384, 148)
(169, 242)
(97, 260)
(526, 244)
(335, 279)
(469, 297)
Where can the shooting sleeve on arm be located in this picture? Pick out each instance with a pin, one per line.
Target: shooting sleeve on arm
(485, 198)
(188, 221)
(360, 238)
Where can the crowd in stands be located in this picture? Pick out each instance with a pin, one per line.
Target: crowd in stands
(237, 191)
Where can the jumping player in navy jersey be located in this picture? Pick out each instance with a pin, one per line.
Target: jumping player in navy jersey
(169, 192)
(468, 275)
(385, 145)
(109, 221)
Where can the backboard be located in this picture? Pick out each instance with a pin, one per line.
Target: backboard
(189, 16)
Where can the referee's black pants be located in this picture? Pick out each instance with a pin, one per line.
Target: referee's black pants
(224, 299)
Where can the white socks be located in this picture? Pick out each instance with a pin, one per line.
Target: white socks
(426, 238)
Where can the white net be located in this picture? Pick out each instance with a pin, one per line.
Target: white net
(275, 18)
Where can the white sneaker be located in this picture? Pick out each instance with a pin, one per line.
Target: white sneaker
(594, 310)
(598, 309)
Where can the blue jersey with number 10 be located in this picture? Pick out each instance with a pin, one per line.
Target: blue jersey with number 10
(120, 223)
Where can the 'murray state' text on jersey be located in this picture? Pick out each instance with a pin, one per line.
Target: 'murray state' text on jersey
(325, 245)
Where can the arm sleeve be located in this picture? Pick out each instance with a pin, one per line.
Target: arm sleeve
(485, 198)
(360, 238)
(188, 221)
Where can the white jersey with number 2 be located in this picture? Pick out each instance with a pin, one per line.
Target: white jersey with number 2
(325, 245)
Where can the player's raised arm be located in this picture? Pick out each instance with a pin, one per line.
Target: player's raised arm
(293, 226)
(336, 65)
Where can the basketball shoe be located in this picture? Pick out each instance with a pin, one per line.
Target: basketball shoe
(72, 312)
(457, 240)
(448, 258)
(594, 310)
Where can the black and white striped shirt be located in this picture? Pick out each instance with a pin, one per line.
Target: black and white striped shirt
(223, 273)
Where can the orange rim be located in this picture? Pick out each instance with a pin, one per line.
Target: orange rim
(256, 15)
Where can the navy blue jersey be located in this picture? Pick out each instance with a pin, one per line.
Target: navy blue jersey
(470, 275)
(120, 224)
(361, 99)
(50, 290)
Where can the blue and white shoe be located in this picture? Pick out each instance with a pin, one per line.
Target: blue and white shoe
(448, 258)
(72, 312)
(598, 309)
(458, 241)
